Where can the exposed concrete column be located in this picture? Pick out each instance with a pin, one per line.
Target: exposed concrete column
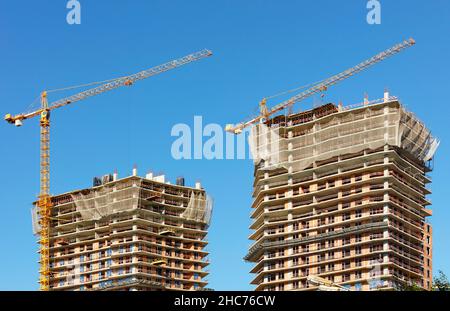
(290, 158)
(314, 129)
(290, 169)
(385, 209)
(289, 193)
(289, 205)
(385, 247)
(386, 96)
(385, 196)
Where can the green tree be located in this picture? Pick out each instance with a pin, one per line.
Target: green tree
(440, 282)
(410, 287)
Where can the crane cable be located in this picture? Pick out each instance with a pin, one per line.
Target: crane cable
(84, 85)
(295, 89)
(32, 106)
(35, 101)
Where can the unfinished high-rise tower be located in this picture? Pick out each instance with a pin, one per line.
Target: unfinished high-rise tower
(340, 194)
(131, 233)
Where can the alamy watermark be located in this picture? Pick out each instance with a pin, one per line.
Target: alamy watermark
(74, 15)
(374, 14)
(212, 142)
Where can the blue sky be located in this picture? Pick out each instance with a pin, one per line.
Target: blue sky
(260, 48)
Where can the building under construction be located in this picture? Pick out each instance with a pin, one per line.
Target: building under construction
(340, 193)
(131, 233)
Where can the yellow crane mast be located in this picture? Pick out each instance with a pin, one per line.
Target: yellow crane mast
(265, 113)
(44, 202)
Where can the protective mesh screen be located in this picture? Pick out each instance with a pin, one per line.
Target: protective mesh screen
(199, 208)
(349, 131)
(101, 202)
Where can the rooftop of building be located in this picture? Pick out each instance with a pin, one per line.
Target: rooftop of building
(330, 108)
(412, 128)
(111, 179)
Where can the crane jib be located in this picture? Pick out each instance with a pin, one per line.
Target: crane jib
(323, 85)
(44, 202)
(119, 82)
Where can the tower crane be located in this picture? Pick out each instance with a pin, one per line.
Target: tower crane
(265, 113)
(44, 202)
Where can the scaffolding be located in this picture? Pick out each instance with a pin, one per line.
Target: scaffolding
(99, 202)
(416, 138)
(35, 220)
(199, 208)
(108, 199)
(299, 144)
(90, 212)
(266, 145)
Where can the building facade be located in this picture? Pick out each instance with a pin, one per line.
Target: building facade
(132, 233)
(340, 193)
